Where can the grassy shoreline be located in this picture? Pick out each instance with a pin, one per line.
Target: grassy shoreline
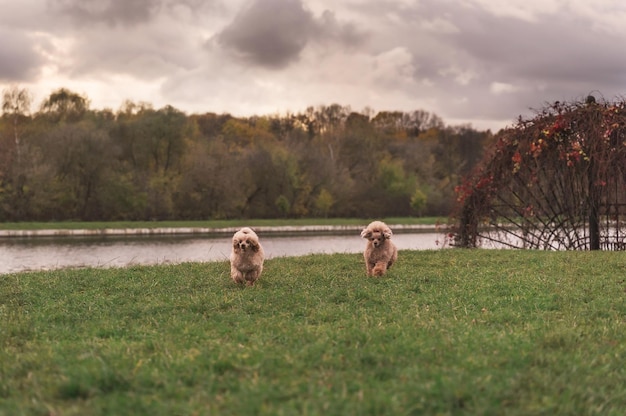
(445, 332)
(74, 225)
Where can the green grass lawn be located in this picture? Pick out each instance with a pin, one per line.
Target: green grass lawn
(449, 332)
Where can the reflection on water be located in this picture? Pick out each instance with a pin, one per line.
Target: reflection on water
(20, 254)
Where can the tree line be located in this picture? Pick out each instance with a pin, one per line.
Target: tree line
(66, 161)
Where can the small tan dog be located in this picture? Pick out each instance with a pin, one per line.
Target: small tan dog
(246, 257)
(380, 252)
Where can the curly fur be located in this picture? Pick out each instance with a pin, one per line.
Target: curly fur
(380, 252)
(246, 257)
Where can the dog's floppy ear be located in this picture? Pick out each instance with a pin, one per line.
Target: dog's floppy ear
(366, 233)
(235, 242)
(387, 233)
(254, 242)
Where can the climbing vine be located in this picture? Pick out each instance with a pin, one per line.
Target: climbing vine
(556, 181)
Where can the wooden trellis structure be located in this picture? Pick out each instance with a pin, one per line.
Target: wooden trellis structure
(555, 182)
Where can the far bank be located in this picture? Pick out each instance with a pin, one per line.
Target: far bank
(263, 229)
(119, 228)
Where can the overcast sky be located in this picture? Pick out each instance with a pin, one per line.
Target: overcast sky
(483, 62)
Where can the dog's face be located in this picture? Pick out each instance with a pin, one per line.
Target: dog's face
(245, 240)
(244, 244)
(376, 238)
(376, 234)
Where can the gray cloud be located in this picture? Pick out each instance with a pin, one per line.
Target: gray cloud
(19, 61)
(273, 33)
(330, 30)
(563, 50)
(485, 65)
(270, 33)
(147, 54)
(112, 12)
(146, 39)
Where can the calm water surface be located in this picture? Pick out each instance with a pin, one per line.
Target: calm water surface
(42, 253)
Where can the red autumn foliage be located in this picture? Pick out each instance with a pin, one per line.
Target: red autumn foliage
(556, 181)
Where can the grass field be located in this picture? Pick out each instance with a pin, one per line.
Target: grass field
(448, 332)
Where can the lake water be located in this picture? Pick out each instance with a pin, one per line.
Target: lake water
(46, 253)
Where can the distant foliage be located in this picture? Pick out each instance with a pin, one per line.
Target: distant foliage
(557, 181)
(68, 162)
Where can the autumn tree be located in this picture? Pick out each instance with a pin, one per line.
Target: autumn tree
(64, 105)
(16, 104)
(211, 187)
(81, 157)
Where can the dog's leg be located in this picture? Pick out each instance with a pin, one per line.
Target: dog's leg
(237, 276)
(251, 277)
(380, 268)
